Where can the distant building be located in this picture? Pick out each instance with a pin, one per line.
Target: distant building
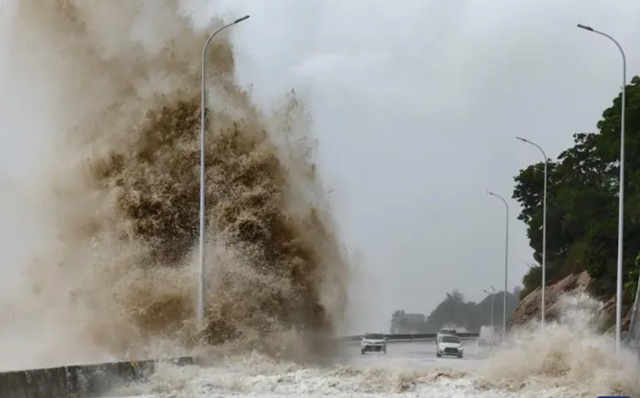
(403, 323)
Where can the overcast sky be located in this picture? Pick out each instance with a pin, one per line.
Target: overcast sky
(416, 104)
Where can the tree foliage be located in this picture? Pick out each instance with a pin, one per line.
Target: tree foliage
(582, 202)
(455, 311)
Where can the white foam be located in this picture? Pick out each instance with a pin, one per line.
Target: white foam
(571, 359)
(568, 357)
(339, 381)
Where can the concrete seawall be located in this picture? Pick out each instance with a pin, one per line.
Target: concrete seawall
(78, 381)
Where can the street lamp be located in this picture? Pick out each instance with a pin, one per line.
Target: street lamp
(506, 263)
(492, 297)
(200, 309)
(544, 230)
(621, 193)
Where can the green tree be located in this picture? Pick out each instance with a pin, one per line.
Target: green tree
(582, 202)
(454, 310)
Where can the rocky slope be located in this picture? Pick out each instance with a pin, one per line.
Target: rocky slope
(529, 307)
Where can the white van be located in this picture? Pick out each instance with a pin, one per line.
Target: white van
(487, 336)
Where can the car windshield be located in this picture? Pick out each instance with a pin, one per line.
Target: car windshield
(450, 339)
(374, 336)
(448, 331)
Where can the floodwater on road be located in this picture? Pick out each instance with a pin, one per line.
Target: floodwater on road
(559, 362)
(417, 354)
(408, 368)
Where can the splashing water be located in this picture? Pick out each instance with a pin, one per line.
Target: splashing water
(570, 359)
(112, 89)
(116, 84)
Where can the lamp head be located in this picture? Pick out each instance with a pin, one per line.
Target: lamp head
(241, 19)
(585, 27)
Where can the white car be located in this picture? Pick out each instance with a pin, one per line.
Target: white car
(373, 342)
(449, 345)
(445, 332)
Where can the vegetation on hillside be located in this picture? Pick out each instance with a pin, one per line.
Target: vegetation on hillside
(582, 204)
(455, 311)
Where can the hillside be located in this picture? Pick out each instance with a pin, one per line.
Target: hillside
(529, 308)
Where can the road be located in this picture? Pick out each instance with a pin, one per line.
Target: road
(414, 354)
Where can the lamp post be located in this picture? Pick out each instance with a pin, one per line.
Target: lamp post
(201, 281)
(621, 193)
(492, 297)
(506, 263)
(544, 230)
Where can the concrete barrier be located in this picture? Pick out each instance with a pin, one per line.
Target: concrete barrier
(78, 381)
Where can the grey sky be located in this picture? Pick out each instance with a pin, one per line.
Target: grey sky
(416, 104)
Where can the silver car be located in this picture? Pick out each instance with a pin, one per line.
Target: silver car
(373, 342)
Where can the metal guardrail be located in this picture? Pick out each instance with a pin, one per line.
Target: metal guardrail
(405, 337)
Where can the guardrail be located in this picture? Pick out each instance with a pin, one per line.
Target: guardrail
(406, 337)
